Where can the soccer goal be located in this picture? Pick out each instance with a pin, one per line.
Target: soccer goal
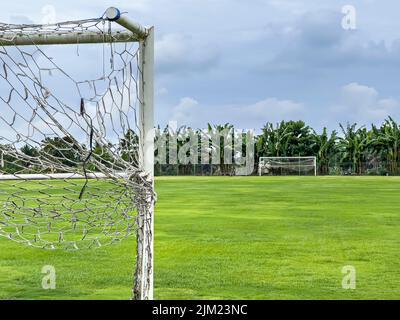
(284, 166)
(77, 136)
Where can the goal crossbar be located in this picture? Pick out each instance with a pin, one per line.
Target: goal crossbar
(136, 33)
(71, 38)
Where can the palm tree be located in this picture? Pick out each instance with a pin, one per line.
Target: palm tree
(223, 132)
(301, 139)
(354, 144)
(292, 138)
(387, 143)
(273, 142)
(187, 148)
(326, 147)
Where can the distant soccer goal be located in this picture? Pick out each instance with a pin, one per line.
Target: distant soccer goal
(77, 136)
(287, 166)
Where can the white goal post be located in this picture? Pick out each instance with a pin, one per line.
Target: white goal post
(45, 138)
(287, 166)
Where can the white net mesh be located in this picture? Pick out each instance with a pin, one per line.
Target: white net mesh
(70, 173)
(278, 166)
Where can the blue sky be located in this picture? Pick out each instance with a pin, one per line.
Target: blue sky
(252, 61)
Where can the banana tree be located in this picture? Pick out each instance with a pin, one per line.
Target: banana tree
(326, 147)
(221, 138)
(273, 141)
(387, 142)
(355, 144)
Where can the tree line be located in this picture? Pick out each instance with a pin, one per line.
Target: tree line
(355, 150)
(351, 150)
(65, 154)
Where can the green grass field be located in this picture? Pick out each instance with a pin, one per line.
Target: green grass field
(239, 238)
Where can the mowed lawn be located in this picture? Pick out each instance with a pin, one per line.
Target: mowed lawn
(239, 238)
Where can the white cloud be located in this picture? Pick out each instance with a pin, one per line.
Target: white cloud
(182, 53)
(171, 47)
(272, 108)
(356, 95)
(363, 104)
(295, 7)
(185, 112)
(190, 112)
(162, 91)
(228, 54)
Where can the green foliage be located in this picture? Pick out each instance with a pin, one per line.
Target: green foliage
(386, 141)
(354, 150)
(325, 148)
(61, 150)
(129, 146)
(354, 146)
(226, 136)
(9, 164)
(286, 139)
